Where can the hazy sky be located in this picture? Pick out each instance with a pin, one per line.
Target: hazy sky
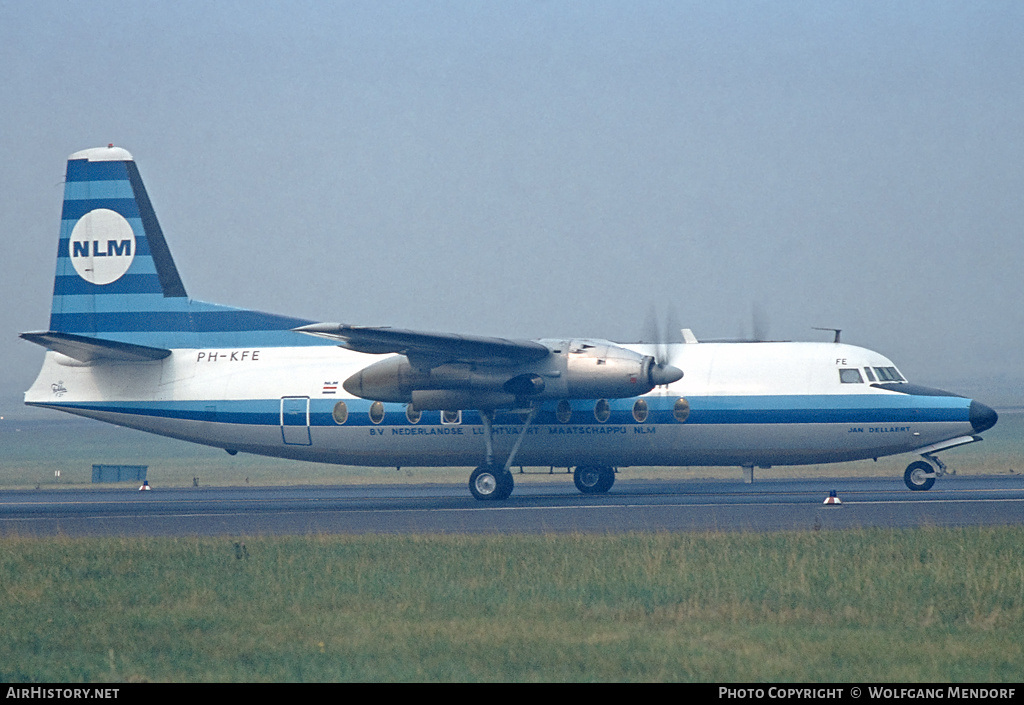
(537, 169)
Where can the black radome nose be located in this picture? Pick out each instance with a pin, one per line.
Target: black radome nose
(982, 417)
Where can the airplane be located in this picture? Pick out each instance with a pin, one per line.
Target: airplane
(126, 345)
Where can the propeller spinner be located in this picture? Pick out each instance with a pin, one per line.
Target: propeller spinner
(662, 371)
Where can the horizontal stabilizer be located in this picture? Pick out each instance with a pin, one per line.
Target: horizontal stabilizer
(435, 346)
(86, 349)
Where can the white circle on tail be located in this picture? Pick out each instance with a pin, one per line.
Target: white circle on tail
(102, 246)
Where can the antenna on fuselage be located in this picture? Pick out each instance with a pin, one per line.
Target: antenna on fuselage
(837, 331)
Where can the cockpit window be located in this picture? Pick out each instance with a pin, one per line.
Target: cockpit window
(870, 374)
(850, 375)
(888, 374)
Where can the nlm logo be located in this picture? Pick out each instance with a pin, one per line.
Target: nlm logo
(102, 246)
(115, 248)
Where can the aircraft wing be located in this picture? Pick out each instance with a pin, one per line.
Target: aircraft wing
(429, 349)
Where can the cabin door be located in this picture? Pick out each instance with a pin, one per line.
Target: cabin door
(295, 421)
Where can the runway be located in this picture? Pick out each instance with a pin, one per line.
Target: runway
(632, 505)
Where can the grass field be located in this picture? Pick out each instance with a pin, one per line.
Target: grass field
(867, 605)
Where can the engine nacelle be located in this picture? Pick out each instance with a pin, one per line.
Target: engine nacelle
(597, 370)
(578, 369)
(395, 379)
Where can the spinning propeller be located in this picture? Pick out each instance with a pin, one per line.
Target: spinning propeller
(662, 371)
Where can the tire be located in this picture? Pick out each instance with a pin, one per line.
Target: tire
(491, 483)
(593, 479)
(506, 484)
(920, 476)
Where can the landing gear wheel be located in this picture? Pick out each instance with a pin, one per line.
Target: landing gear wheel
(593, 479)
(920, 476)
(491, 482)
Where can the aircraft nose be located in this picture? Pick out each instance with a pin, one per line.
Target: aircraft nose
(982, 417)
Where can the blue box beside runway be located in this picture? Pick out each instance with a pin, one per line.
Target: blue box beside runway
(119, 473)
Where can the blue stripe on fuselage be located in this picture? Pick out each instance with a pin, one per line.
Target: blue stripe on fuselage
(783, 409)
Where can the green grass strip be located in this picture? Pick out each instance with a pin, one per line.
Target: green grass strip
(867, 605)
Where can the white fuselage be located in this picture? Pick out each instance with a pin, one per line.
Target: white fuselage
(737, 404)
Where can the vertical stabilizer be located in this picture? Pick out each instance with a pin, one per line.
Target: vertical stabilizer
(116, 279)
(113, 265)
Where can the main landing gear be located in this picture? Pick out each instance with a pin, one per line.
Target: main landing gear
(593, 479)
(493, 481)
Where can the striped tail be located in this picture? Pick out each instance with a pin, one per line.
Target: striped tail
(116, 279)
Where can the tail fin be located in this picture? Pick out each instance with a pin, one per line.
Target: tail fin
(116, 279)
(114, 269)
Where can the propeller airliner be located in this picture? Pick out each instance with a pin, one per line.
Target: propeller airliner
(126, 345)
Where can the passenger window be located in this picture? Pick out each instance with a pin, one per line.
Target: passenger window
(850, 375)
(451, 417)
(681, 410)
(377, 412)
(563, 411)
(640, 410)
(602, 410)
(340, 413)
(412, 414)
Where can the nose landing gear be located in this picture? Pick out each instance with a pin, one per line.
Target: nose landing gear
(920, 475)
